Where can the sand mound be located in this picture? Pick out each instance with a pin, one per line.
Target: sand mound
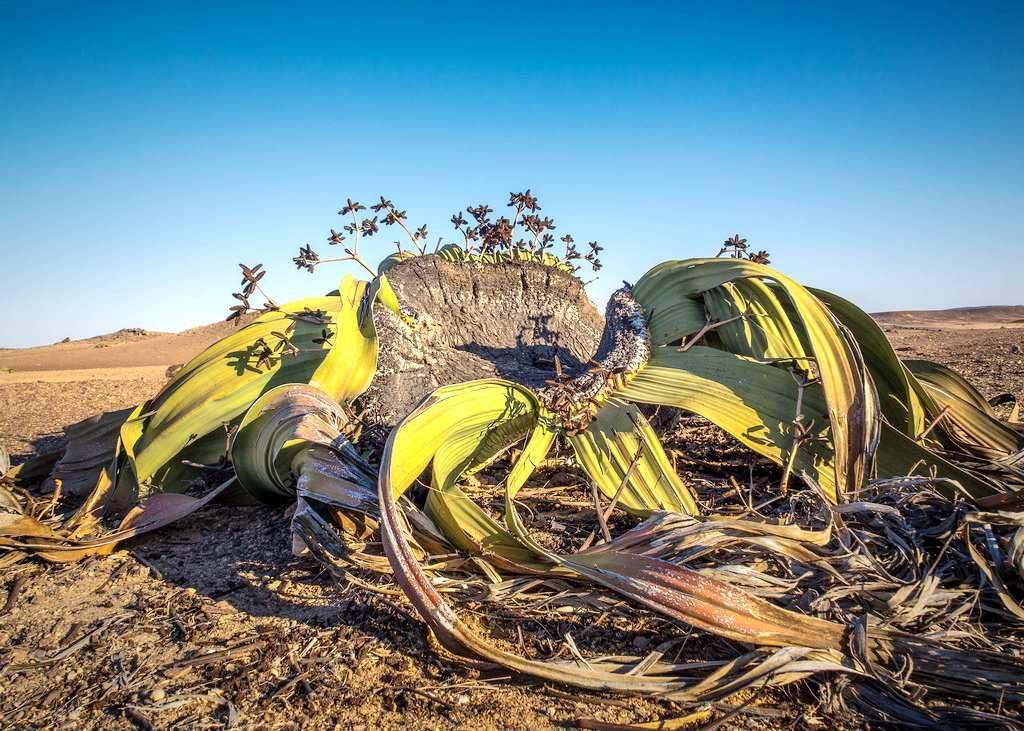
(125, 348)
(957, 318)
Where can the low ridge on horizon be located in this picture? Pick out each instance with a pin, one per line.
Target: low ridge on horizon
(135, 346)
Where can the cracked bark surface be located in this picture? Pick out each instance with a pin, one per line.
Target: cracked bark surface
(476, 321)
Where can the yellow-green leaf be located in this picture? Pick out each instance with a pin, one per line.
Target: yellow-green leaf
(607, 449)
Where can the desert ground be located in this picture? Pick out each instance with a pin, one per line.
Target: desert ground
(213, 622)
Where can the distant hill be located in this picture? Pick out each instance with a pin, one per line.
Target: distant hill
(134, 347)
(127, 347)
(971, 318)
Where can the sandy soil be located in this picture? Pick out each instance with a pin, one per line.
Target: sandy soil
(212, 622)
(130, 347)
(959, 318)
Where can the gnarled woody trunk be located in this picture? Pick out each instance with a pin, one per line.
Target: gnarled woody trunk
(470, 320)
(464, 321)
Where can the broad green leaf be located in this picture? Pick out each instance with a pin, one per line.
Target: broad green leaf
(286, 436)
(963, 415)
(217, 386)
(673, 320)
(380, 291)
(536, 449)
(673, 591)
(897, 395)
(852, 405)
(390, 261)
(456, 428)
(606, 449)
(765, 333)
(915, 393)
(899, 455)
(754, 402)
(949, 381)
(348, 368)
(973, 430)
(453, 253)
(213, 390)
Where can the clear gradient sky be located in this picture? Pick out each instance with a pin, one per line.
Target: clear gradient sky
(876, 150)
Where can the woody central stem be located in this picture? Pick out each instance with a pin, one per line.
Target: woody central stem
(624, 349)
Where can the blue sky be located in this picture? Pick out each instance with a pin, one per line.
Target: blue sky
(146, 148)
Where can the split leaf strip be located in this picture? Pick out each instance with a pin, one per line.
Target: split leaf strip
(849, 396)
(607, 448)
(462, 424)
(455, 424)
(755, 403)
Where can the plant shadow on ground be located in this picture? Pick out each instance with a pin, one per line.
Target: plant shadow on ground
(239, 559)
(370, 662)
(236, 562)
(41, 444)
(241, 556)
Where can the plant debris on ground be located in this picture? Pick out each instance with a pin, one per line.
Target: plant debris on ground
(841, 536)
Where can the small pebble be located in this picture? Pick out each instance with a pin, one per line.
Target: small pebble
(157, 694)
(641, 643)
